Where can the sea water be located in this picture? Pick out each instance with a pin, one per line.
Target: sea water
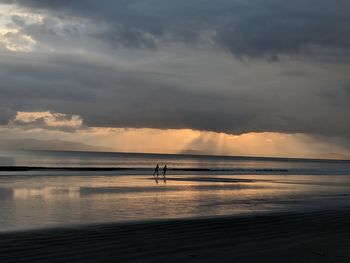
(195, 186)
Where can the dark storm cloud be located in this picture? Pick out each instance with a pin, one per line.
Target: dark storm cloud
(6, 114)
(258, 28)
(199, 93)
(115, 97)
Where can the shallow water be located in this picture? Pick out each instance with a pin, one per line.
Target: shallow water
(181, 164)
(39, 200)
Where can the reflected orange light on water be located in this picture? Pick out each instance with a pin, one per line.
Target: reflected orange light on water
(48, 201)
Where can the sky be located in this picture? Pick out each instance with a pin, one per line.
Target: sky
(235, 77)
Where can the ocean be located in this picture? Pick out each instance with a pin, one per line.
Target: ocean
(77, 188)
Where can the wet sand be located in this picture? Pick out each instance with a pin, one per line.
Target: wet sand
(291, 237)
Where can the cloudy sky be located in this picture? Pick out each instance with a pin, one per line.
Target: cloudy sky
(240, 77)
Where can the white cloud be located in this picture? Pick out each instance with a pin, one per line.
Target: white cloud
(48, 119)
(16, 42)
(12, 19)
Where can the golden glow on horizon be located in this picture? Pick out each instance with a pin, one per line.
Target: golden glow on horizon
(57, 126)
(191, 141)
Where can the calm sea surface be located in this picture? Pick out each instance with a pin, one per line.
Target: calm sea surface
(196, 186)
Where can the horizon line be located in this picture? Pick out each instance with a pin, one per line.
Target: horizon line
(280, 158)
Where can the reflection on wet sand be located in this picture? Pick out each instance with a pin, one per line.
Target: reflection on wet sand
(215, 179)
(46, 193)
(6, 193)
(42, 201)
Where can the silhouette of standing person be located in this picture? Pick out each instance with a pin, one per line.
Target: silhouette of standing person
(156, 171)
(164, 172)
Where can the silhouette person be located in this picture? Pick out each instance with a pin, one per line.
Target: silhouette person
(164, 172)
(156, 171)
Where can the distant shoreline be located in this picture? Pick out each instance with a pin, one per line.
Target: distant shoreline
(38, 168)
(187, 155)
(174, 170)
(81, 169)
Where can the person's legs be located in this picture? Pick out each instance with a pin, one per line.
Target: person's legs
(156, 170)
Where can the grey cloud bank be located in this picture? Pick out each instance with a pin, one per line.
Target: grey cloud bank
(254, 27)
(120, 97)
(226, 66)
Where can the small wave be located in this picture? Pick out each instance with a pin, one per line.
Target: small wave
(178, 171)
(32, 168)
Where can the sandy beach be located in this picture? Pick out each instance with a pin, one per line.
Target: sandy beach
(291, 237)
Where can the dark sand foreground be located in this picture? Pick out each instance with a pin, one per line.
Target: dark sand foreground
(303, 237)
